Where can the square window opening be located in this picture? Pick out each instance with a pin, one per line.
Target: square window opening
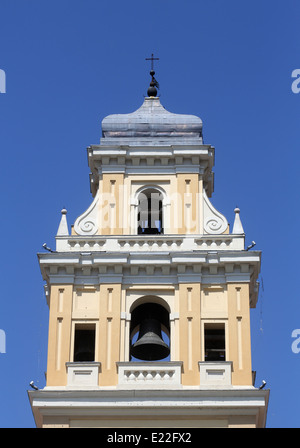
(84, 343)
(214, 342)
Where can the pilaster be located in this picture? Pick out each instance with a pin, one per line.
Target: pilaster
(189, 331)
(109, 334)
(59, 340)
(239, 333)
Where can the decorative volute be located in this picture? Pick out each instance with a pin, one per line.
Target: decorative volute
(87, 223)
(214, 222)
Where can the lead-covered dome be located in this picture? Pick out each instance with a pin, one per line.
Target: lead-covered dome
(151, 123)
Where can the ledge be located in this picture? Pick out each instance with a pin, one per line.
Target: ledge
(165, 402)
(142, 243)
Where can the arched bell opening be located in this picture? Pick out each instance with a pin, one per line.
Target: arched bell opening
(150, 212)
(149, 333)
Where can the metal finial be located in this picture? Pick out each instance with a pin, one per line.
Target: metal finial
(152, 91)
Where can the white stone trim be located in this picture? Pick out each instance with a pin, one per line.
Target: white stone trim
(142, 243)
(164, 267)
(162, 188)
(215, 374)
(82, 374)
(147, 403)
(149, 375)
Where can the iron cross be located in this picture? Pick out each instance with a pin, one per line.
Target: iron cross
(152, 59)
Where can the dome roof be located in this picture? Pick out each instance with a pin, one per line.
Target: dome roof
(151, 121)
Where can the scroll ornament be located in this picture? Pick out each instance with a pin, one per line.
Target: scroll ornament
(87, 223)
(213, 221)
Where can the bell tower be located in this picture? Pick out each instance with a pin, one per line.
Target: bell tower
(150, 291)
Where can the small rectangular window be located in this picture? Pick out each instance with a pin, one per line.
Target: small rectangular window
(84, 343)
(214, 342)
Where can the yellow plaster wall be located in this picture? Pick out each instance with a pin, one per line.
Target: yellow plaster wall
(188, 189)
(109, 333)
(111, 205)
(189, 331)
(116, 210)
(196, 305)
(239, 333)
(59, 339)
(121, 421)
(228, 305)
(84, 305)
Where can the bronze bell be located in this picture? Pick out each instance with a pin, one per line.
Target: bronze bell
(150, 345)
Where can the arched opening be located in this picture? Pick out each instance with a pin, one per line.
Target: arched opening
(149, 333)
(150, 212)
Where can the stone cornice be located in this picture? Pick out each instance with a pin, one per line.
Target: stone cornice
(164, 268)
(143, 243)
(99, 403)
(150, 257)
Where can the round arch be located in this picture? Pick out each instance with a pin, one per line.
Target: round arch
(150, 328)
(151, 215)
(149, 298)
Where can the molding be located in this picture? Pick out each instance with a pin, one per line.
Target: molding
(169, 159)
(234, 265)
(153, 268)
(142, 243)
(149, 403)
(76, 259)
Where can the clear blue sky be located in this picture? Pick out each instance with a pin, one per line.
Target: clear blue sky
(68, 64)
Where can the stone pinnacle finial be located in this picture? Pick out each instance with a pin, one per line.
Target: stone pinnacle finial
(63, 225)
(237, 226)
